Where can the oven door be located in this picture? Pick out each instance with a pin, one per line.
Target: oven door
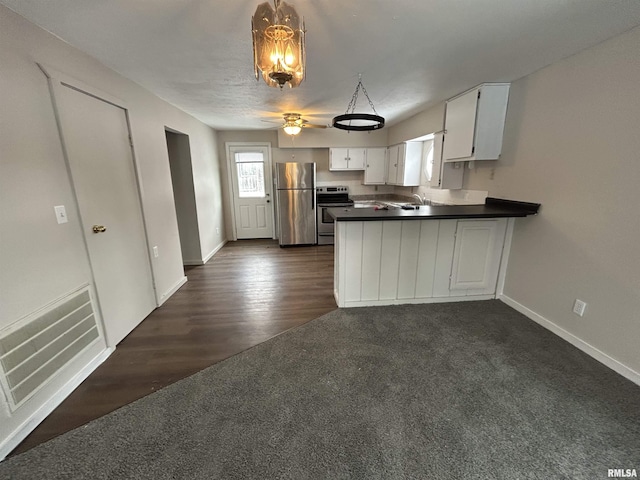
(324, 226)
(325, 223)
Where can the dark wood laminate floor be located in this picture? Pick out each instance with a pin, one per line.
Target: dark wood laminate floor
(250, 291)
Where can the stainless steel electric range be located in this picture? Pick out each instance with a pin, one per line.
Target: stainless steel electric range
(329, 197)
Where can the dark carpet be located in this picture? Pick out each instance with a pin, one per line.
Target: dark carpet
(442, 391)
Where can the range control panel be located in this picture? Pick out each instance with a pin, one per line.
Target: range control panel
(333, 189)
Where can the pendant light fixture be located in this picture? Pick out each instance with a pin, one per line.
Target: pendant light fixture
(278, 44)
(359, 122)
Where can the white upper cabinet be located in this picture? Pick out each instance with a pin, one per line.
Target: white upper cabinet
(375, 168)
(403, 164)
(444, 175)
(474, 123)
(347, 158)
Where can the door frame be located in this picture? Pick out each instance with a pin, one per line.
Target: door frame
(57, 81)
(232, 197)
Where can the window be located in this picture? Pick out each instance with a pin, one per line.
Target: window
(250, 169)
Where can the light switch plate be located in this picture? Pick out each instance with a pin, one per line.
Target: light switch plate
(61, 214)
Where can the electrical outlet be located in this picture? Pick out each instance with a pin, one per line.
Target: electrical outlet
(156, 253)
(217, 230)
(579, 307)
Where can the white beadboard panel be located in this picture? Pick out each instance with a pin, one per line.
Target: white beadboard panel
(411, 301)
(339, 260)
(353, 265)
(444, 258)
(408, 263)
(427, 258)
(371, 260)
(390, 259)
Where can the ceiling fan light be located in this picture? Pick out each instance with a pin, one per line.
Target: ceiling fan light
(292, 129)
(278, 44)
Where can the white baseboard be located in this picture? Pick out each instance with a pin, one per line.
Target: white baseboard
(192, 262)
(213, 252)
(413, 301)
(51, 404)
(165, 296)
(197, 261)
(590, 350)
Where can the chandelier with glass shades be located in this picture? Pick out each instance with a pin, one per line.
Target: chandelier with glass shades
(278, 44)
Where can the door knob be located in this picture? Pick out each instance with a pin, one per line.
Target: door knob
(99, 229)
(268, 201)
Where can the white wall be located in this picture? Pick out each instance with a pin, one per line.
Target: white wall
(40, 260)
(184, 197)
(332, 137)
(571, 143)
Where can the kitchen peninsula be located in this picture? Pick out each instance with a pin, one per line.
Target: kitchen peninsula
(430, 254)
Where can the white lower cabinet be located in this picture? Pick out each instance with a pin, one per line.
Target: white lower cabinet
(477, 255)
(417, 261)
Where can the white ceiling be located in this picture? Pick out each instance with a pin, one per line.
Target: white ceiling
(197, 54)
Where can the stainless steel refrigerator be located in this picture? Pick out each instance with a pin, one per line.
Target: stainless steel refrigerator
(296, 190)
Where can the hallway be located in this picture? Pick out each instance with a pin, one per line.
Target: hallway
(250, 291)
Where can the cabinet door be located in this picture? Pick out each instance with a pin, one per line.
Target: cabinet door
(338, 159)
(436, 164)
(375, 166)
(476, 256)
(410, 163)
(460, 124)
(392, 164)
(357, 158)
(400, 164)
(444, 175)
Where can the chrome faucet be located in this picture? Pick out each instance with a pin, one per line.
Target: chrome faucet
(422, 200)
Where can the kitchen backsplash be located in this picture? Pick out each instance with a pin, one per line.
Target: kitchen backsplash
(456, 197)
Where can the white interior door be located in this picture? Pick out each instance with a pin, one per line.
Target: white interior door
(99, 153)
(251, 179)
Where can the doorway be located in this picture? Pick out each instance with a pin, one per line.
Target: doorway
(96, 138)
(251, 187)
(184, 197)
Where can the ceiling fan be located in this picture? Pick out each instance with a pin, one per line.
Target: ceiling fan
(294, 123)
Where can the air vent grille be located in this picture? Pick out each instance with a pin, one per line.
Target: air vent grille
(33, 353)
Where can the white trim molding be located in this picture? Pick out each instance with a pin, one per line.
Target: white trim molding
(577, 342)
(213, 252)
(206, 258)
(165, 296)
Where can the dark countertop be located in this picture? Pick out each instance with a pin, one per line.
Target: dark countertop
(492, 208)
